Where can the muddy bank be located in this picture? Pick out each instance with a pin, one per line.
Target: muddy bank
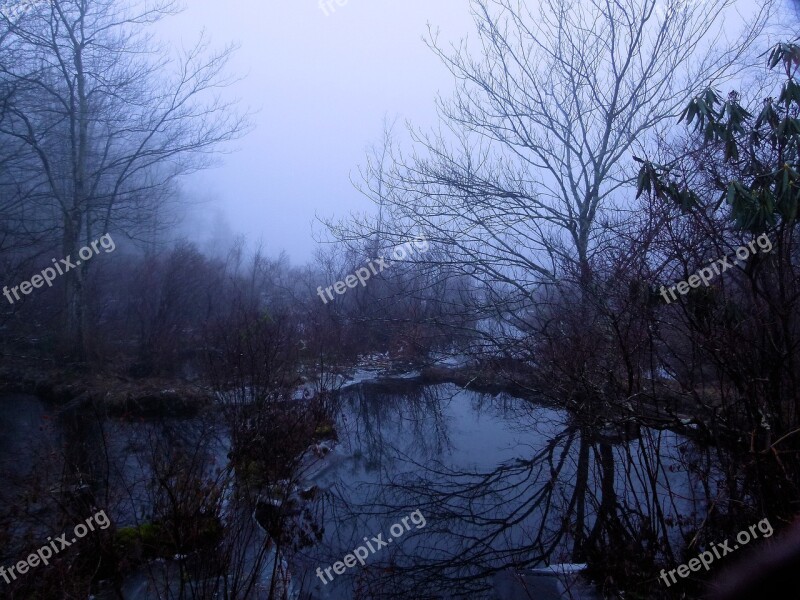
(662, 407)
(114, 395)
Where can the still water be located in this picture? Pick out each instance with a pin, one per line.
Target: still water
(500, 496)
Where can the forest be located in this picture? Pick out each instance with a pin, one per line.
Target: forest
(556, 357)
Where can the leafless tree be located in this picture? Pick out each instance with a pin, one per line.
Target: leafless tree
(106, 119)
(534, 149)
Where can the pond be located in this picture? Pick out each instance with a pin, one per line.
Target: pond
(497, 479)
(482, 496)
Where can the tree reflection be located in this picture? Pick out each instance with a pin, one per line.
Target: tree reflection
(575, 493)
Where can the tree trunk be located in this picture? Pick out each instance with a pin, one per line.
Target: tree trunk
(75, 316)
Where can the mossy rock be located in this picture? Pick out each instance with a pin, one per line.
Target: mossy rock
(141, 543)
(152, 540)
(325, 431)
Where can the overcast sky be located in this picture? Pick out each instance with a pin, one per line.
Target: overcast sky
(323, 85)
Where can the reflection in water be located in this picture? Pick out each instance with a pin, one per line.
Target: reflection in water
(506, 487)
(503, 483)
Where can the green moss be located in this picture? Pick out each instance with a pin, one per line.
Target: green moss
(253, 473)
(143, 542)
(148, 534)
(152, 540)
(325, 431)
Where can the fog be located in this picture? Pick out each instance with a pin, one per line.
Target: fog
(321, 86)
(281, 276)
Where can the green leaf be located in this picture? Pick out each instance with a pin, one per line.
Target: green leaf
(767, 115)
(643, 181)
(731, 195)
(788, 53)
(790, 92)
(731, 149)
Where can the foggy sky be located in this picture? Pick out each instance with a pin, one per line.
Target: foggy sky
(323, 85)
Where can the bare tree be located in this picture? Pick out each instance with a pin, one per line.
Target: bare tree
(109, 118)
(553, 99)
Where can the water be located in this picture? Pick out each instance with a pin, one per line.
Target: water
(494, 478)
(484, 483)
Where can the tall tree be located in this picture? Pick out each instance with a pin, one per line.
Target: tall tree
(552, 100)
(108, 118)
